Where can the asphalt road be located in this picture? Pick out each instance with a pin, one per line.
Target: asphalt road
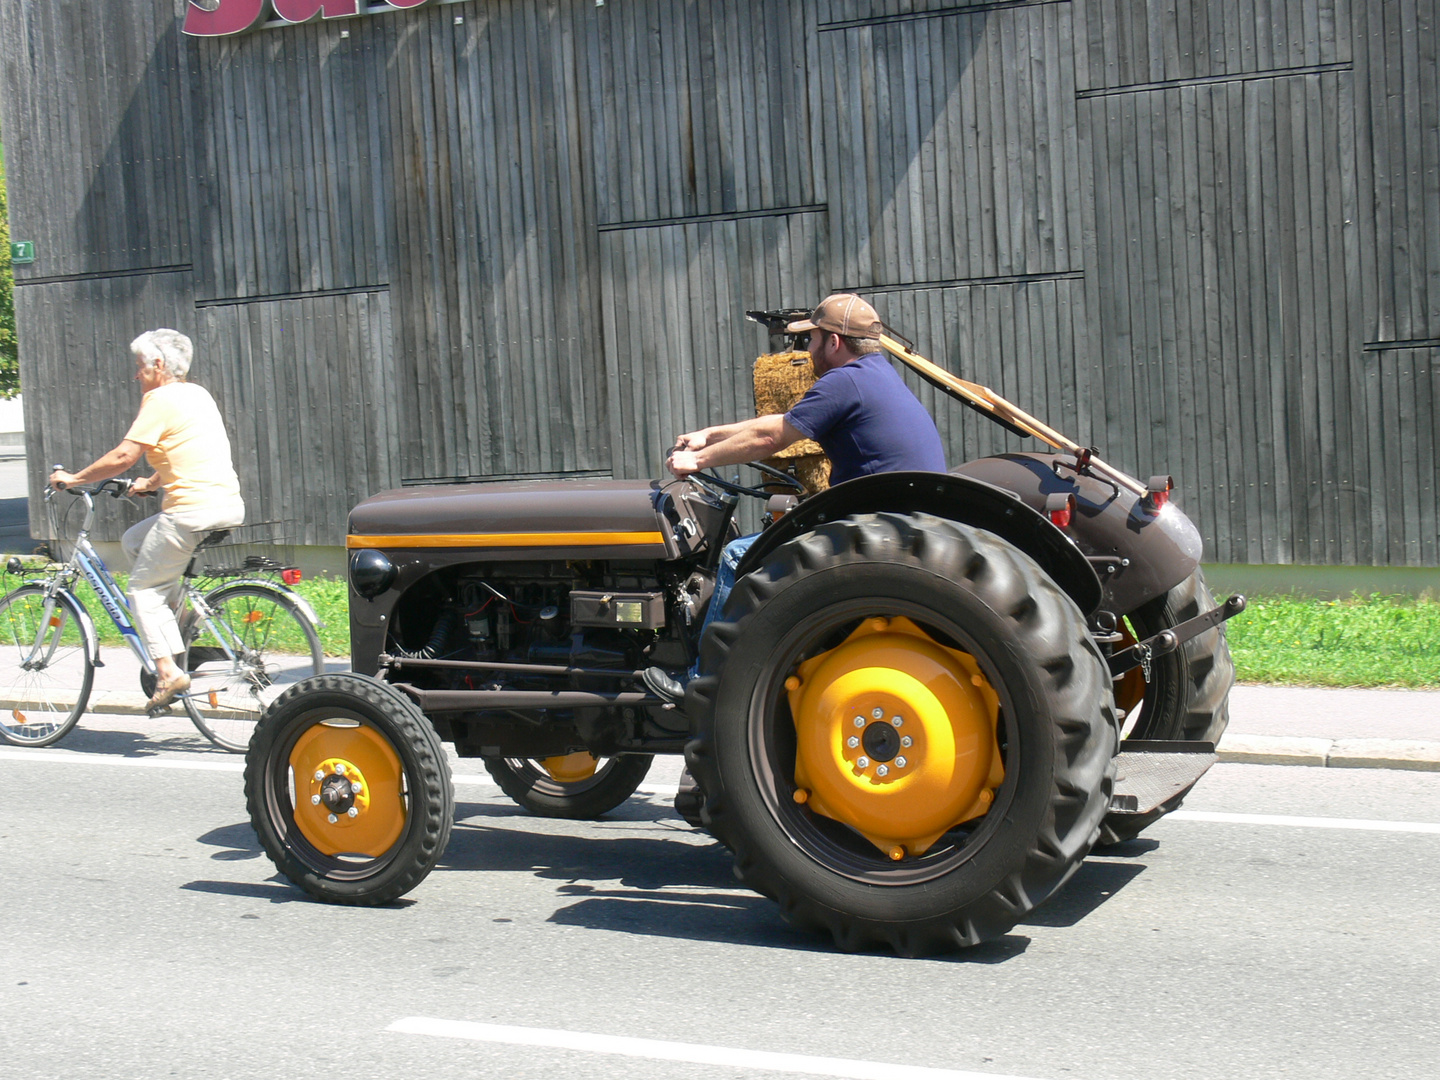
(144, 934)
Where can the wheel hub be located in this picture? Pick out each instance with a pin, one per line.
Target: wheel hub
(895, 736)
(348, 790)
(570, 768)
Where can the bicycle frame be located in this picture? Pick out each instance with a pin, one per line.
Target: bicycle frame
(85, 561)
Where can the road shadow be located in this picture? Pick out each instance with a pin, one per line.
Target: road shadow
(138, 744)
(279, 892)
(237, 842)
(653, 886)
(1095, 883)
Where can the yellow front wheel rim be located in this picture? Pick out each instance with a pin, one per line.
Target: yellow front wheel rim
(350, 794)
(895, 736)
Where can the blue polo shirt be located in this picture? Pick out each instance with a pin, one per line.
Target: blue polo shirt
(867, 421)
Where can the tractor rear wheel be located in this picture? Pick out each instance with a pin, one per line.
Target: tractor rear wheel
(1187, 697)
(904, 733)
(576, 786)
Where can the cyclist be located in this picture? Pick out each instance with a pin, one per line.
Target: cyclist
(181, 435)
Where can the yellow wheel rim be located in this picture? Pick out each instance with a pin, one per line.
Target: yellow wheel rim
(349, 790)
(895, 736)
(570, 768)
(1130, 687)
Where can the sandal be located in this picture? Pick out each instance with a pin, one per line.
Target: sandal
(165, 693)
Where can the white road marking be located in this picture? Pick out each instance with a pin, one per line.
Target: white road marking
(68, 757)
(235, 765)
(1305, 822)
(691, 1053)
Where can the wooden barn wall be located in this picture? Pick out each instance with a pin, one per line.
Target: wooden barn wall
(507, 238)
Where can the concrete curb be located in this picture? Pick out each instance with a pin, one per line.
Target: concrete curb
(1415, 756)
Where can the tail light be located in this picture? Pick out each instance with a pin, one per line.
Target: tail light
(291, 576)
(1061, 507)
(1157, 493)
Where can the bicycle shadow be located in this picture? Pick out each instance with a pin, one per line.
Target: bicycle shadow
(128, 743)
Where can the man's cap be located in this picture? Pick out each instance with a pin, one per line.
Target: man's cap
(844, 314)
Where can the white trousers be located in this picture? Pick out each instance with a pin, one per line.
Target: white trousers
(160, 548)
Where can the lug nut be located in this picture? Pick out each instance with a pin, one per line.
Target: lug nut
(314, 800)
(319, 774)
(863, 762)
(352, 812)
(883, 770)
(340, 770)
(853, 741)
(877, 712)
(905, 740)
(355, 787)
(859, 721)
(898, 721)
(900, 763)
(332, 819)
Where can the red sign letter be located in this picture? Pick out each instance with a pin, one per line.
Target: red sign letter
(299, 11)
(231, 17)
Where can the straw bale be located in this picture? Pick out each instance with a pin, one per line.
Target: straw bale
(781, 380)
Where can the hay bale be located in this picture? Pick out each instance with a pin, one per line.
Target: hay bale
(781, 380)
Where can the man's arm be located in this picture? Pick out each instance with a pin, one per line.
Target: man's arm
(114, 463)
(732, 444)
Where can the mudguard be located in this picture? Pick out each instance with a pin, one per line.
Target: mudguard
(957, 497)
(1138, 553)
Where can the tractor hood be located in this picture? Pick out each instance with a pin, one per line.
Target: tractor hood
(549, 519)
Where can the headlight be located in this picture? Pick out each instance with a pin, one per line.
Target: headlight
(371, 573)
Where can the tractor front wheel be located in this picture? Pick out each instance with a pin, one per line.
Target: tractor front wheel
(348, 789)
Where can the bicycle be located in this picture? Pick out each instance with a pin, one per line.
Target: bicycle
(245, 641)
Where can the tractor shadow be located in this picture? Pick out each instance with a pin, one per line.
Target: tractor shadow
(637, 882)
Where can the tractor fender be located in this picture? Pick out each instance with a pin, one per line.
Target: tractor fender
(1139, 553)
(964, 499)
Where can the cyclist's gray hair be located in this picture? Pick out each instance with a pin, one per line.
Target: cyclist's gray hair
(169, 345)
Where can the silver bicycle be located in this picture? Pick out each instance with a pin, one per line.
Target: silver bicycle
(245, 640)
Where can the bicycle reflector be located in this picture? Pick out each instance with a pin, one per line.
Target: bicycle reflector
(290, 575)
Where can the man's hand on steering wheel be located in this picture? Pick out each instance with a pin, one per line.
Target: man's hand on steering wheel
(713, 482)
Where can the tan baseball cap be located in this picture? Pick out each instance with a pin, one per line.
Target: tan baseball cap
(844, 314)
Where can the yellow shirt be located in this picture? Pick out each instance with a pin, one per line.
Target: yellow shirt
(179, 425)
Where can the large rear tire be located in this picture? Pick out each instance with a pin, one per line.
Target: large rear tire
(1187, 697)
(890, 608)
(333, 744)
(546, 789)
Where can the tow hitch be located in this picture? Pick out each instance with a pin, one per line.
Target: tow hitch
(1167, 641)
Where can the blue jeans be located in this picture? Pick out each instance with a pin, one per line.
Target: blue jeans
(724, 582)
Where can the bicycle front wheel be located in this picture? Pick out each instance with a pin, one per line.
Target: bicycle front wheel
(47, 649)
(261, 643)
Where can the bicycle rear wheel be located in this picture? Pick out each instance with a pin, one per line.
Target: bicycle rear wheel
(46, 665)
(275, 646)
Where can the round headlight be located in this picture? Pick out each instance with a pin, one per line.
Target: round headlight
(371, 573)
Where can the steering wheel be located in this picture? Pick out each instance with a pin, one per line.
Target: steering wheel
(711, 481)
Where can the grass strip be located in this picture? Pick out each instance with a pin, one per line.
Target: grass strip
(1367, 641)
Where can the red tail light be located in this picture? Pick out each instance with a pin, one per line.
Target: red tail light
(1060, 506)
(291, 576)
(1157, 493)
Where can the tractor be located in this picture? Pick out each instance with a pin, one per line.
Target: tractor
(927, 698)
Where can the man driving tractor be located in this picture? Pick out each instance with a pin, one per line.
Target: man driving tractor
(860, 412)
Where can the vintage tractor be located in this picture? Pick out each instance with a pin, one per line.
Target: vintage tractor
(928, 696)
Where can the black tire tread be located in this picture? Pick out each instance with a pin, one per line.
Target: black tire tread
(1191, 689)
(623, 775)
